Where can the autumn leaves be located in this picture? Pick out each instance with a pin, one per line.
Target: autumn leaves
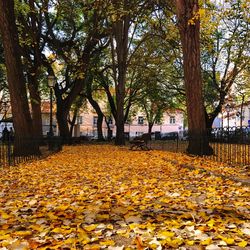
(104, 197)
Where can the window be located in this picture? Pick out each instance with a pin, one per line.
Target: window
(140, 120)
(79, 119)
(110, 121)
(95, 120)
(172, 119)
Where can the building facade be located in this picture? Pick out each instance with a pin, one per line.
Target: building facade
(86, 123)
(232, 116)
(172, 121)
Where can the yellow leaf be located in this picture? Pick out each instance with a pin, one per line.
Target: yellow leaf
(83, 236)
(5, 237)
(110, 226)
(90, 227)
(52, 216)
(165, 234)
(206, 242)
(36, 227)
(23, 233)
(57, 230)
(121, 231)
(229, 241)
(62, 207)
(107, 243)
(242, 243)
(190, 242)
(211, 223)
(70, 241)
(5, 216)
(133, 225)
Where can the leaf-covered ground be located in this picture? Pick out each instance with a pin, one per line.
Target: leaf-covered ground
(105, 197)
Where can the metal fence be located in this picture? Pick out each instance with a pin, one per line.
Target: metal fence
(230, 145)
(16, 150)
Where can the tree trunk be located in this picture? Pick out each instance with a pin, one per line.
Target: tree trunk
(109, 137)
(35, 106)
(99, 126)
(18, 96)
(190, 40)
(120, 93)
(62, 119)
(72, 123)
(241, 110)
(100, 115)
(150, 126)
(121, 29)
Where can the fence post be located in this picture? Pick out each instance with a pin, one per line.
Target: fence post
(9, 151)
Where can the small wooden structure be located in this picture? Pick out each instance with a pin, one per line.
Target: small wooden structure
(141, 142)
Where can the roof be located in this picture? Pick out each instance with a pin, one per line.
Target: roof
(45, 107)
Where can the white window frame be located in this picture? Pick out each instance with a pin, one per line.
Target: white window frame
(95, 118)
(140, 120)
(172, 119)
(79, 120)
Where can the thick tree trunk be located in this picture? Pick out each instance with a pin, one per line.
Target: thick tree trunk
(35, 106)
(99, 127)
(120, 94)
(190, 40)
(121, 29)
(62, 120)
(18, 96)
(150, 126)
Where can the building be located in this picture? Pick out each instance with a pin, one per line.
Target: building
(45, 109)
(231, 116)
(173, 121)
(86, 124)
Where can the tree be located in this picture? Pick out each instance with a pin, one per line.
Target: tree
(83, 28)
(30, 20)
(225, 40)
(154, 95)
(89, 94)
(18, 96)
(3, 82)
(189, 28)
(125, 17)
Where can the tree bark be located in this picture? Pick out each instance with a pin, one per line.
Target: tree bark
(121, 29)
(35, 106)
(100, 117)
(187, 10)
(241, 110)
(16, 82)
(62, 120)
(150, 126)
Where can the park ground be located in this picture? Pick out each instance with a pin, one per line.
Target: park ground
(107, 197)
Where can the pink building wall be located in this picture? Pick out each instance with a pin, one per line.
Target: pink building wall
(87, 127)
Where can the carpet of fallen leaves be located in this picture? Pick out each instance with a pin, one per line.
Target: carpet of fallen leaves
(106, 197)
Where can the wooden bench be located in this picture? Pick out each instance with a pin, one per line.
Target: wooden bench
(141, 142)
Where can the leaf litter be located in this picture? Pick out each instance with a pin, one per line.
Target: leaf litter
(106, 197)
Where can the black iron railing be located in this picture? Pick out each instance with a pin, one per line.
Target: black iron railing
(230, 145)
(16, 150)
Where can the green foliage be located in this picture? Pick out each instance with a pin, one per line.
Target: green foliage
(225, 40)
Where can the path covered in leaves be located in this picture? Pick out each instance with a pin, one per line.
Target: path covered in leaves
(105, 197)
